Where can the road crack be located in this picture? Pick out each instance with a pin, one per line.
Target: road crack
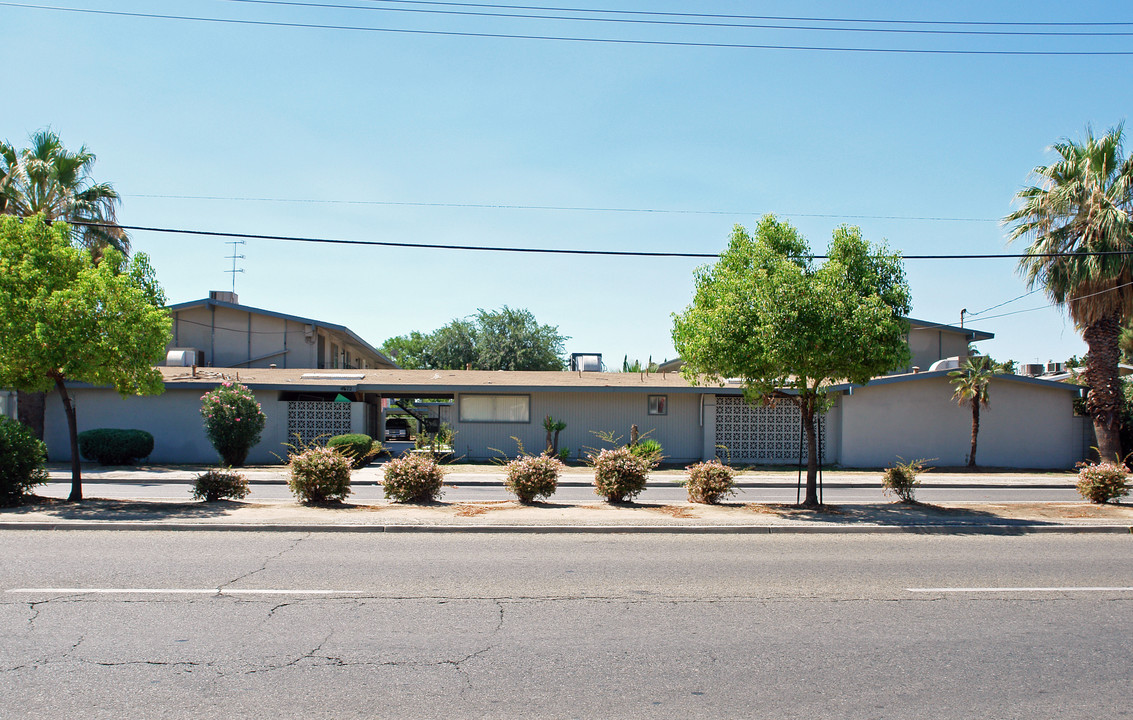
(220, 588)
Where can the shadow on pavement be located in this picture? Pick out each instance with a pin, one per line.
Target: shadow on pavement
(100, 509)
(896, 514)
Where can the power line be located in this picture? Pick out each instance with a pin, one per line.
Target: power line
(684, 23)
(553, 251)
(1006, 302)
(751, 17)
(574, 208)
(564, 38)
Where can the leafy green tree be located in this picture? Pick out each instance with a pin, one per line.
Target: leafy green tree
(63, 318)
(508, 339)
(971, 383)
(409, 351)
(504, 339)
(453, 347)
(1080, 206)
(787, 327)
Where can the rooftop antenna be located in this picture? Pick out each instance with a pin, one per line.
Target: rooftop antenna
(234, 257)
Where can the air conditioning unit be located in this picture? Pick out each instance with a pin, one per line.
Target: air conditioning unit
(1053, 367)
(1031, 369)
(586, 362)
(184, 357)
(225, 296)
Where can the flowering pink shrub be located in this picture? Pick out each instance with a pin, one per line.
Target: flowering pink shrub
(533, 476)
(1102, 482)
(319, 474)
(217, 484)
(619, 475)
(413, 477)
(708, 482)
(233, 421)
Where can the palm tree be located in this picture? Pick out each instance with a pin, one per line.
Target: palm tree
(971, 382)
(1078, 211)
(46, 178)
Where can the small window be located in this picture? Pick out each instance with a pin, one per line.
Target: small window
(495, 408)
(658, 404)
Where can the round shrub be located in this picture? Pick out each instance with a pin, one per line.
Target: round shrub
(319, 474)
(619, 475)
(233, 421)
(533, 476)
(709, 482)
(1102, 482)
(356, 446)
(902, 480)
(413, 477)
(21, 462)
(112, 446)
(219, 484)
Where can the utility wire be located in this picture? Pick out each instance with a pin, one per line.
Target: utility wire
(752, 17)
(564, 38)
(552, 251)
(490, 206)
(1006, 302)
(689, 23)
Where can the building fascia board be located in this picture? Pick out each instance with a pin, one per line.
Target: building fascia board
(972, 334)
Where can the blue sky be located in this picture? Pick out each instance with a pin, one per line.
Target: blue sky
(382, 136)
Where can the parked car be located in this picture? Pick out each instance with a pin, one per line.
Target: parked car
(397, 428)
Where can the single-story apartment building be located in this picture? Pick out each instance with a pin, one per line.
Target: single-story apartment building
(1029, 424)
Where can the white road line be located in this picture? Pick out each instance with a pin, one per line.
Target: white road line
(183, 591)
(1019, 589)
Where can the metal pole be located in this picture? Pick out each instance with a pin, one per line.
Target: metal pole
(802, 439)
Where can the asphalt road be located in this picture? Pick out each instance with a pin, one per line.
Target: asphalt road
(456, 491)
(286, 625)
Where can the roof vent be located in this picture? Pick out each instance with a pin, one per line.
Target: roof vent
(224, 296)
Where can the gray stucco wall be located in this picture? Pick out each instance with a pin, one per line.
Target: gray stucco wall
(1026, 425)
(173, 418)
(679, 431)
(928, 345)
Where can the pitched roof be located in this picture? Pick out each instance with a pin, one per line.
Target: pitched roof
(209, 302)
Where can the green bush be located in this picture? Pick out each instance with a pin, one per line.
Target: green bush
(21, 462)
(413, 477)
(1102, 482)
(902, 480)
(356, 446)
(709, 482)
(111, 446)
(233, 421)
(319, 474)
(619, 474)
(217, 484)
(533, 476)
(648, 450)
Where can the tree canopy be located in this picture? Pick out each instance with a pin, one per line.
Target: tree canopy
(1078, 217)
(64, 318)
(47, 179)
(787, 327)
(504, 339)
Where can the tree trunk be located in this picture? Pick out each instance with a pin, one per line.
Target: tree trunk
(29, 411)
(806, 407)
(73, 432)
(1103, 402)
(975, 431)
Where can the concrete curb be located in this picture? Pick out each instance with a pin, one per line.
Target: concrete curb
(940, 529)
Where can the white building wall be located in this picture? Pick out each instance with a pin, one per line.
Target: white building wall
(1026, 425)
(678, 431)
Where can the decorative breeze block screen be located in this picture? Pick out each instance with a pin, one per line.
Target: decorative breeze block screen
(761, 434)
(308, 420)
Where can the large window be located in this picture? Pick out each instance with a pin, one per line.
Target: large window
(495, 408)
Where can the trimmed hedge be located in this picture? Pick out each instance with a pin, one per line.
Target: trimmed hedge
(113, 446)
(356, 446)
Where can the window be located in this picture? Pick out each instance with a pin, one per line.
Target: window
(658, 404)
(334, 356)
(495, 408)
